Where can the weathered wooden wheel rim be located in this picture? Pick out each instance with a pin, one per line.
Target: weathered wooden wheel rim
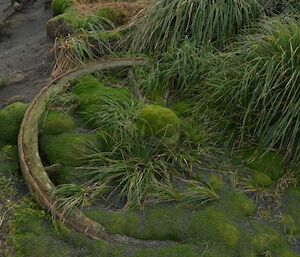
(32, 167)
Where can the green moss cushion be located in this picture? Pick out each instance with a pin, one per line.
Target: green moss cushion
(59, 6)
(90, 91)
(65, 23)
(56, 123)
(270, 163)
(155, 120)
(216, 182)
(262, 179)
(9, 160)
(92, 95)
(68, 149)
(10, 121)
(238, 205)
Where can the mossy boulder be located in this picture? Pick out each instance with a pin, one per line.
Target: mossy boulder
(158, 121)
(261, 179)
(60, 6)
(68, 149)
(10, 122)
(56, 122)
(270, 163)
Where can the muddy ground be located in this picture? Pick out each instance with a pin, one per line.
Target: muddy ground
(25, 51)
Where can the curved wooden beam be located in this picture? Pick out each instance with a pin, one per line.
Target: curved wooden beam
(37, 180)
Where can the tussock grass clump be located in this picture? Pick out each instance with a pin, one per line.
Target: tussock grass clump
(275, 7)
(166, 23)
(257, 86)
(79, 40)
(137, 170)
(180, 70)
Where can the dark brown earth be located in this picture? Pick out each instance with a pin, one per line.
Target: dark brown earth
(25, 51)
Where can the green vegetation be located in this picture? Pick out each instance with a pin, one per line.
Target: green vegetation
(216, 182)
(166, 23)
(154, 120)
(115, 15)
(56, 122)
(260, 95)
(214, 226)
(60, 6)
(270, 163)
(261, 179)
(69, 148)
(197, 150)
(90, 91)
(10, 121)
(9, 160)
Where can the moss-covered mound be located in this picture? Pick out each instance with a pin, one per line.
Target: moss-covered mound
(64, 23)
(9, 160)
(154, 120)
(261, 179)
(60, 6)
(270, 163)
(90, 91)
(56, 122)
(68, 148)
(10, 121)
(92, 96)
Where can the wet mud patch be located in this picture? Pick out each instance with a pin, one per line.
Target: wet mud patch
(25, 51)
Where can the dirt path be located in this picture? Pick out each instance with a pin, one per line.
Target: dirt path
(25, 51)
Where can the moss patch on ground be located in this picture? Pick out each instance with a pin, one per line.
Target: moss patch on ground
(10, 122)
(270, 163)
(57, 122)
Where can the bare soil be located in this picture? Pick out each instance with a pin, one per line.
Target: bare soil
(25, 51)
